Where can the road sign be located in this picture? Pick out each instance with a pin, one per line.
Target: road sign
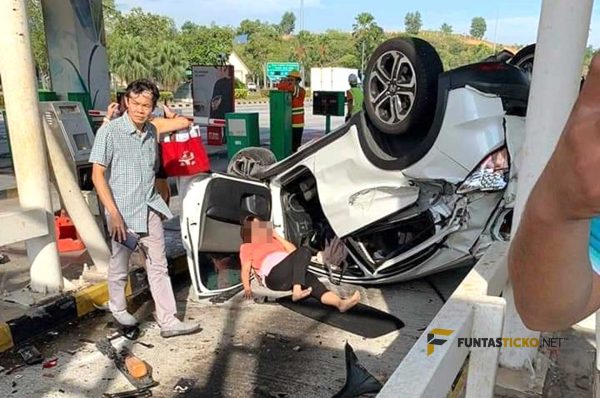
(279, 70)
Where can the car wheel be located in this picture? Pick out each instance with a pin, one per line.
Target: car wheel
(401, 85)
(248, 162)
(524, 58)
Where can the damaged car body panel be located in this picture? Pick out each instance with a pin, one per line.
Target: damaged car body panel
(353, 192)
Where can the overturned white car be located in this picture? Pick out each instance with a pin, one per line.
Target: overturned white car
(422, 181)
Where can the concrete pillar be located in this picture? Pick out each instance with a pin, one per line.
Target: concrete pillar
(77, 49)
(27, 140)
(75, 204)
(561, 42)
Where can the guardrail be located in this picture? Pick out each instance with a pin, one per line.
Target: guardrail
(474, 309)
(24, 225)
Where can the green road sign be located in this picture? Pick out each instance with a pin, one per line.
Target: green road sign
(279, 70)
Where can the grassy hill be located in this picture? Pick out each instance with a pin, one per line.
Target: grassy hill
(456, 50)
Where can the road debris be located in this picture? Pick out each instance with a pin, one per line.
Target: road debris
(30, 355)
(50, 363)
(184, 385)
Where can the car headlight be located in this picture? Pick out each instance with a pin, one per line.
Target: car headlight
(489, 176)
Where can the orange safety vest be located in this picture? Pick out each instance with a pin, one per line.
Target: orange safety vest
(298, 107)
(298, 96)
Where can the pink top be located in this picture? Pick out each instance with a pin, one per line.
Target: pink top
(269, 263)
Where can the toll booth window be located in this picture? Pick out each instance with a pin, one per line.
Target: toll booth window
(64, 109)
(82, 142)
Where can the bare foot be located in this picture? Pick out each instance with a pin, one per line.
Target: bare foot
(299, 294)
(349, 302)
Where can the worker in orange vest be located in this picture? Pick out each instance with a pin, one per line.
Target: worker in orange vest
(291, 84)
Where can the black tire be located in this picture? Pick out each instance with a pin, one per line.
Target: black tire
(249, 161)
(399, 69)
(524, 58)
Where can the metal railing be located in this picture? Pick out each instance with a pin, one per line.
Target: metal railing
(24, 225)
(474, 309)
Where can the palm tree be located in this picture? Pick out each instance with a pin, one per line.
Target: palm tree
(129, 58)
(169, 63)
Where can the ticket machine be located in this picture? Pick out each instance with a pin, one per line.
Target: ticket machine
(71, 127)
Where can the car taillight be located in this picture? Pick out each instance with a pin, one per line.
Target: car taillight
(489, 176)
(492, 66)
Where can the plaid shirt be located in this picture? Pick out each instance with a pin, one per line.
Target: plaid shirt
(131, 160)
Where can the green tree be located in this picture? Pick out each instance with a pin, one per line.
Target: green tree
(288, 23)
(169, 64)
(587, 58)
(111, 15)
(446, 29)
(264, 44)
(249, 27)
(413, 23)
(367, 36)
(130, 58)
(478, 27)
(339, 49)
(203, 44)
(145, 25)
(38, 39)
(309, 51)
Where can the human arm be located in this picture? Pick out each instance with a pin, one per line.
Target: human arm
(553, 280)
(287, 245)
(110, 113)
(246, 269)
(166, 125)
(350, 102)
(286, 85)
(118, 229)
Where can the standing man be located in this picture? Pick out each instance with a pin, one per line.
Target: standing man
(125, 162)
(292, 85)
(354, 97)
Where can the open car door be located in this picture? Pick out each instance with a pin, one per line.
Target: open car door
(213, 207)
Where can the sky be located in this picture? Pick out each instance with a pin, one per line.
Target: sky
(508, 21)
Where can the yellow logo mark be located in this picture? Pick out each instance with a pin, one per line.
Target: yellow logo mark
(432, 341)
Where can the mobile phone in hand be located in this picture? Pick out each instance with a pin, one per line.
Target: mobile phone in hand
(131, 240)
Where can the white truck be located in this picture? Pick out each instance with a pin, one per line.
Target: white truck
(330, 79)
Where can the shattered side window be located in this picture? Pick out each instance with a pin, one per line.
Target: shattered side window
(595, 244)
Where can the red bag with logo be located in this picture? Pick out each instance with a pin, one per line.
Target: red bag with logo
(183, 154)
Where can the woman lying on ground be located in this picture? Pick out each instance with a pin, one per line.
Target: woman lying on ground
(280, 266)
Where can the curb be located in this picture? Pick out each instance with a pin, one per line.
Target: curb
(263, 101)
(74, 305)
